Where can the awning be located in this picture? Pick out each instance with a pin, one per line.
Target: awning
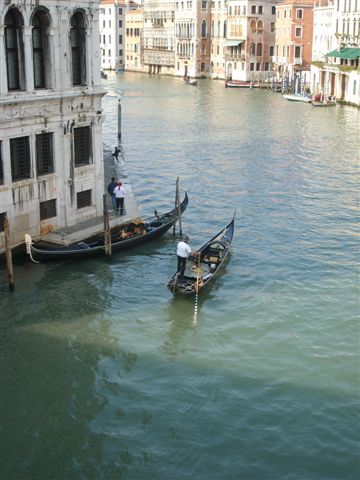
(233, 43)
(346, 53)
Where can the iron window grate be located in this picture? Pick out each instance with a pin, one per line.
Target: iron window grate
(1, 166)
(20, 158)
(2, 218)
(44, 153)
(82, 144)
(48, 209)
(83, 199)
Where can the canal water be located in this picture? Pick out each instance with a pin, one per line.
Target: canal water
(104, 375)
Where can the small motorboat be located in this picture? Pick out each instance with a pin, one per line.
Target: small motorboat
(297, 97)
(202, 267)
(238, 84)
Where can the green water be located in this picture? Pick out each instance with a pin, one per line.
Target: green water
(104, 375)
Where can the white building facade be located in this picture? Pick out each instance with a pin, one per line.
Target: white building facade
(159, 37)
(218, 33)
(336, 51)
(112, 33)
(51, 162)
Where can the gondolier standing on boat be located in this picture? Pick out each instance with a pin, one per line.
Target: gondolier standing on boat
(119, 192)
(183, 251)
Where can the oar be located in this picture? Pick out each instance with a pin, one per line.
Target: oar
(198, 271)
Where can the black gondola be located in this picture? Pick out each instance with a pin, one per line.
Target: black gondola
(122, 237)
(202, 267)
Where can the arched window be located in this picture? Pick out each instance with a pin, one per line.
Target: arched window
(259, 49)
(219, 28)
(253, 26)
(40, 44)
(203, 29)
(14, 50)
(225, 29)
(252, 48)
(212, 28)
(78, 48)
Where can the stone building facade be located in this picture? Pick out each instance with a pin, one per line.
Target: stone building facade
(250, 39)
(112, 18)
(159, 37)
(336, 51)
(293, 43)
(134, 40)
(51, 169)
(218, 32)
(192, 32)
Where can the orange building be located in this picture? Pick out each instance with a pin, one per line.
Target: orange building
(293, 43)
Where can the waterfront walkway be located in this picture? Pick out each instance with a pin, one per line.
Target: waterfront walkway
(87, 228)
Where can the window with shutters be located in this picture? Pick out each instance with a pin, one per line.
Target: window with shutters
(1, 166)
(39, 45)
(15, 65)
(20, 158)
(78, 49)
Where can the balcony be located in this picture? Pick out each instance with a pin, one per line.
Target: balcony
(235, 58)
(159, 57)
(280, 60)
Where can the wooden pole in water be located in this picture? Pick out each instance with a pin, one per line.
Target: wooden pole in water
(119, 121)
(107, 236)
(176, 200)
(178, 205)
(8, 254)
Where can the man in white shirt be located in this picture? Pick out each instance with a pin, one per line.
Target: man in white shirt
(119, 193)
(183, 250)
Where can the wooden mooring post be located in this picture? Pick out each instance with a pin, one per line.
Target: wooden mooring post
(119, 121)
(107, 233)
(178, 206)
(8, 254)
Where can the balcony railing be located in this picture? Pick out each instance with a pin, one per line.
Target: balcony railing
(235, 58)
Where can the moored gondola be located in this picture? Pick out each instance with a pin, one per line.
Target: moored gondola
(202, 267)
(122, 237)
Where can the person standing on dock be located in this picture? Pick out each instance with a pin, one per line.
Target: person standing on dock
(111, 187)
(119, 192)
(183, 251)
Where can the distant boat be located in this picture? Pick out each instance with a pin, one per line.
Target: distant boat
(323, 104)
(322, 101)
(297, 97)
(103, 74)
(190, 81)
(239, 84)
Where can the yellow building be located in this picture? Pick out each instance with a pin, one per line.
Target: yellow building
(134, 23)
